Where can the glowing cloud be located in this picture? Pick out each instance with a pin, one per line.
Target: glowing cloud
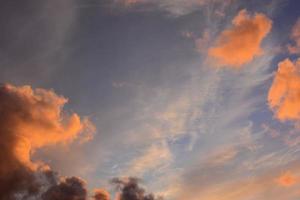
(283, 97)
(37, 120)
(286, 180)
(239, 44)
(31, 119)
(101, 194)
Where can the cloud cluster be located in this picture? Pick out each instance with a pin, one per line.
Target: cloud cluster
(130, 190)
(71, 188)
(239, 44)
(31, 119)
(283, 97)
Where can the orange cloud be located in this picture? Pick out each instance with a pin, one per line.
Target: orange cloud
(36, 120)
(295, 36)
(130, 2)
(101, 194)
(239, 44)
(284, 94)
(286, 180)
(31, 119)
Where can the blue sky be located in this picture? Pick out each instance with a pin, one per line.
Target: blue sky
(192, 124)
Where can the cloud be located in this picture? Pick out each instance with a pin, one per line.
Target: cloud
(130, 190)
(295, 36)
(72, 188)
(31, 119)
(101, 194)
(222, 156)
(259, 185)
(34, 119)
(283, 97)
(155, 157)
(286, 180)
(178, 7)
(241, 43)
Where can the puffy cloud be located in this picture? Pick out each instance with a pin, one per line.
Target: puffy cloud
(130, 190)
(286, 180)
(239, 44)
(34, 119)
(31, 119)
(283, 97)
(101, 194)
(295, 36)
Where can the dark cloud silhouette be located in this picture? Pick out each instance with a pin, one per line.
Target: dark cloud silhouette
(72, 188)
(130, 190)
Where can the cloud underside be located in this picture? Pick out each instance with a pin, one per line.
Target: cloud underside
(241, 43)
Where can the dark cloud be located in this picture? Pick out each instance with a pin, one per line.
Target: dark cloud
(131, 190)
(72, 188)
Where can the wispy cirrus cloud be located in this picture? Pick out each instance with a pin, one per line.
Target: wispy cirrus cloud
(152, 159)
(178, 7)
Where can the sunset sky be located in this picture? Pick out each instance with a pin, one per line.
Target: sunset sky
(188, 99)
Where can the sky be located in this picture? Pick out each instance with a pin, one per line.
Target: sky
(150, 100)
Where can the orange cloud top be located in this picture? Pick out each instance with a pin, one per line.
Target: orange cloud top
(284, 94)
(101, 194)
(286, 180)
(35, 119)
(239, 44)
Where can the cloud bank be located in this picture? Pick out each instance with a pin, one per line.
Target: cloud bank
(32, 119)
